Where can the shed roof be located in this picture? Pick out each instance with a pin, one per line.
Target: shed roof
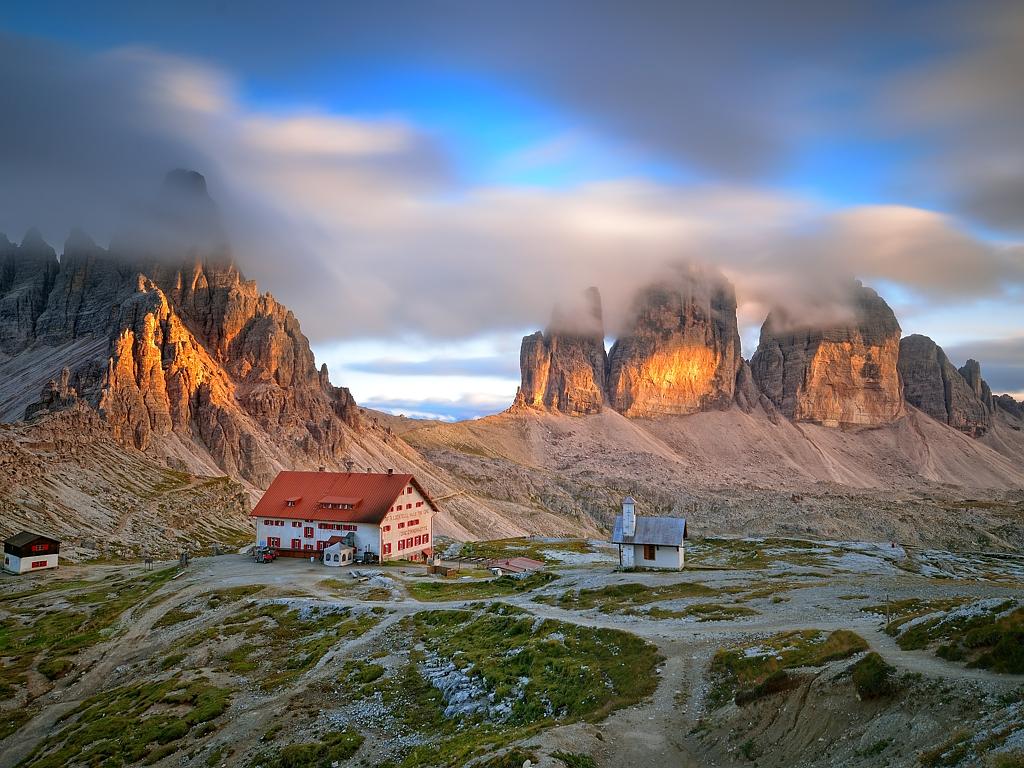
(27, 537)
(665, 531)
(374, 494)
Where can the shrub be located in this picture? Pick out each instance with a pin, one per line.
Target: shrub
(574, 759)
(872, 677)
(777, 682)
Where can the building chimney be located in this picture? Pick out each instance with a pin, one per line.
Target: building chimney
(323, 468)
(628, 516)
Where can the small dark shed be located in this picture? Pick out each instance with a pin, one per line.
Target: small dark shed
(28, 551)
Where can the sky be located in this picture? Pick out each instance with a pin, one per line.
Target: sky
(423, 182)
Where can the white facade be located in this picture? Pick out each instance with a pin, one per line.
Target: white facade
(405, 531)
(673, 558)
(15, 564)
(408, 527)
(648, 542)
(312, 535)
(338, 555)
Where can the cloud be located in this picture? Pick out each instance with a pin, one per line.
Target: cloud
(440, 409)
(498, 367)
(963, 110)
(361, 226)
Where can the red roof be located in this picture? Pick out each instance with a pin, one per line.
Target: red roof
(373, 493)
(352, 501)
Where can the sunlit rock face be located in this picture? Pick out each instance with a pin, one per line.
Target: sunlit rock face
(681, 351)
(563, 368)
(933, 384)
(837, 374)
(179, 346)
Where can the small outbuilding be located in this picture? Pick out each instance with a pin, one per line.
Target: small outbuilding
(338, 552)
(649, 542)
(26, 551)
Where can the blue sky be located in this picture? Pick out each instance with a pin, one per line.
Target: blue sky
(410, 165)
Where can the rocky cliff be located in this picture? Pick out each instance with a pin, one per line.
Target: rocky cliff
(178, 347)
(933, 384)
(839, 374)
(563, 368)
(681, 351)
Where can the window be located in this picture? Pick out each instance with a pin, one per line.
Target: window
(401, 525)
(296, 543)
(308, 532)
(40, 547)
(296, 524)
(401, 544)
(649, 551)
(414, 522)
(267, 522)
(290, 503)
(426, 538)
(39, 563)
(419, 503)
(409, 489)
(387, 548)
(419, 540)
(321, 544)
(349, 527)
(307, 546)
(408, 506)
(273, 541)
(386, 528)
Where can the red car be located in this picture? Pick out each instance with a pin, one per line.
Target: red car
(265, 555)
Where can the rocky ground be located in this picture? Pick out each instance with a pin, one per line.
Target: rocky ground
(234, 663)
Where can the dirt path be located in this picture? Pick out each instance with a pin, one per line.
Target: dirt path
(652, 733)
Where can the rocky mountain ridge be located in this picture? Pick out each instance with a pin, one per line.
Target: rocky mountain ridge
(681, 355)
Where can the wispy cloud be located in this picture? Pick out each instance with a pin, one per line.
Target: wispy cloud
(499, 367)
(440, 409)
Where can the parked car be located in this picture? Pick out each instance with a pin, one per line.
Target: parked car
(264, 554)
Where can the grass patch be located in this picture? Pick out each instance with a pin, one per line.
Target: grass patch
(873, 678)
(703, 612)
(137, 723)
(573, 759)
(358, 678)
(621, 597)
(53, 667)
(34, 635)
(540, 672)
(741, 671)
(174, 616)
(513, 758)
(272, 632)
(435, 591)
(991, 638)
(950, 752)
(502, 549)
(335, 747)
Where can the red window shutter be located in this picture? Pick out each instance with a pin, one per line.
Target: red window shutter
(296, 543)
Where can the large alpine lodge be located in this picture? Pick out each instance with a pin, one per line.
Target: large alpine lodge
(367, 515)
